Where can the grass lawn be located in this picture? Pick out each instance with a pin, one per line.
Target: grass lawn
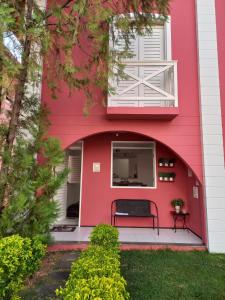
(165, 275)
(158, 275)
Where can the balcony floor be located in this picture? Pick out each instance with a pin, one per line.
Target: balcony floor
(142, 113)
(134, 235)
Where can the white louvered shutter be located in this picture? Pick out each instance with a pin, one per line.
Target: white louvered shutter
(148, 47)
(122, 84)
(61, 194)
(74, 165)
(151, 48)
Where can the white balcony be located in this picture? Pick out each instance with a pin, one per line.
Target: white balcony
(147, 84)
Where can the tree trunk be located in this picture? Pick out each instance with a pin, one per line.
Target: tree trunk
(19, 95)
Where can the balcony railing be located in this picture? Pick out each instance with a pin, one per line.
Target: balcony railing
(146, 84)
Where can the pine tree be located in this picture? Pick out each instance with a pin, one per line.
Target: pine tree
(28, 184)
(32, 178)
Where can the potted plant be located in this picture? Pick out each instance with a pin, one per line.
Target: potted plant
(172, 162)
(177, 204)
(161, 162)
(172, 176)
(166, 163)
(161, 176)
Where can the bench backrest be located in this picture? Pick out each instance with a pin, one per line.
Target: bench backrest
(133, 207)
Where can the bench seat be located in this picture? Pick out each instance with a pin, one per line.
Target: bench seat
(134, 208)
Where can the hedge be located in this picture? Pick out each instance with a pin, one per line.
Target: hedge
(106, 236)
(19, 258)
(96, 274)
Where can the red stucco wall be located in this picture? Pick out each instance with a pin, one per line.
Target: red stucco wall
(182, 134)
(220, 9)
(97, 194)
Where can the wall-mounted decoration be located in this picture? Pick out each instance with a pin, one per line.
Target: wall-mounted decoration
(96, 167)
(190, 174)
(167, 177)
(166, 162)
(195, 192)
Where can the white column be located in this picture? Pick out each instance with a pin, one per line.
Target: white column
(211, 123)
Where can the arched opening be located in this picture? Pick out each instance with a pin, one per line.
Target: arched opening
(126, 165)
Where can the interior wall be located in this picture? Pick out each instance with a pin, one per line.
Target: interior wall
(143, 169)
(134, 167)
(73, 193)
(121, 166)
(97, 194)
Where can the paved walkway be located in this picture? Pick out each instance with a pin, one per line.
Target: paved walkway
(44, 287)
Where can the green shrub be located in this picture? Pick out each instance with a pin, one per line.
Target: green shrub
(96, 274)
(105, 236)
(98, 250)
(19, 258)
(97, 288)
(96, 261)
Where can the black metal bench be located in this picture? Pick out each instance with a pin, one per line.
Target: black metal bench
(134, 208)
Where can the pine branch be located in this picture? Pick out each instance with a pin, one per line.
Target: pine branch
(65, 5)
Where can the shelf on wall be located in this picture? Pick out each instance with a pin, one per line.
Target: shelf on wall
(166, 162)
(163, 180)
(166, 177)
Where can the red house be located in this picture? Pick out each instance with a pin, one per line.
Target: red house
(160, 137)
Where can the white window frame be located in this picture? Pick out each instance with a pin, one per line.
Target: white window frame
(168, 40)
(154, 164)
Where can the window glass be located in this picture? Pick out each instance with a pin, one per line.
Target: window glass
(133, 164)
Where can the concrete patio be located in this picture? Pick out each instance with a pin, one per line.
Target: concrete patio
(134, 235)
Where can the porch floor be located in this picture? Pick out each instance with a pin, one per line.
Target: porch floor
(134, 235)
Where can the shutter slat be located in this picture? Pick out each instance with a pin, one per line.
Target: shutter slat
(144, 48)
(151, 48)
(61, 194)
(74, 165)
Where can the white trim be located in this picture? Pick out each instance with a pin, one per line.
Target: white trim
(213, 163)
(81, 181)
(175, 84)
(139, 142)
(167, 41)
(154, 164)
(76, 146)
